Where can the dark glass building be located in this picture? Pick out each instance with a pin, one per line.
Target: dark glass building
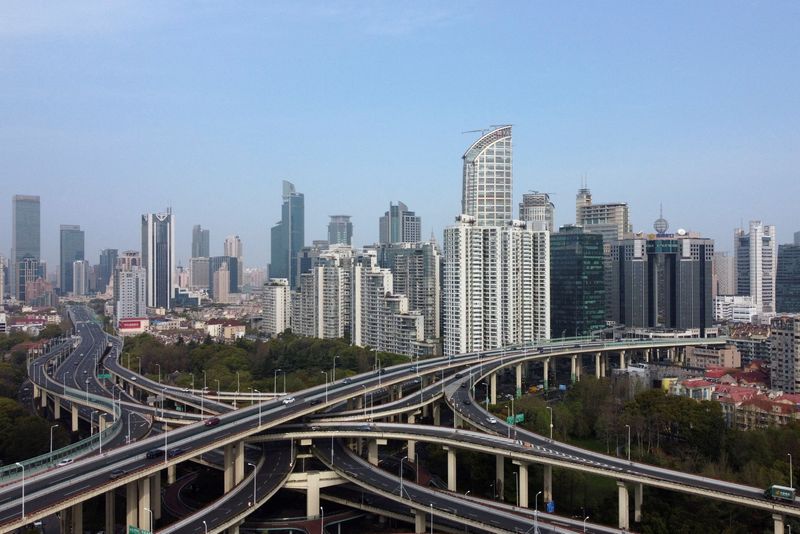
(201, 242)
(108, 261)
(288, 236)
(25, 238)
(787, 283)
(72, 249)
(214, 265)
(577, 286)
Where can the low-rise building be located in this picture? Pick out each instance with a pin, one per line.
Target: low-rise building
(713, 356)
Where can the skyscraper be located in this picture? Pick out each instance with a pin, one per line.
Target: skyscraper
(158, 257)
(288, 236)
(108, 261)
(321, 308)
(277, 310)
(756, 261)
(231, 264)
(201, 242)
(132, 289)
(487, 179)
(25, 238)
(221, 283)
(72, 250)
(787, 282)
(538, 208)
(577, 282)
(80, 278)
(611, 220)
(724, 274)
(233, 248)
(340, 230)
(399, 225)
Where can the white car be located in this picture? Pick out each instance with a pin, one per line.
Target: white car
(65, 461)
(288, 400)
(492, 420)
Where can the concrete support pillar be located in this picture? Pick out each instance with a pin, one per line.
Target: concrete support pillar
(57, 409)
(238, 461)
(171, 474)
(131, 504)
(102, 423)
(77, 518)
(130, 389)
(144, 504)
(35, 391)
(457, 420)
(546, 373)
(579, 367)
(518, 380)
(604, 365)
(598, 366)
(63, 520)
(419, 522)
(312, 494)
(155, 494)
(624, 519)
(499, 475)
(74, 418)
(523, 485)
(647, 355)
(399, 388)
(44, 400)
(573, 365)
(637, 503)
(777, 520)
(493, 388)
(412, 445)
(437, 414)
(234, 529)
(372, 452)
(110, 511)
(622, 362)
(547, 483)
(451, 469)
(228, 476)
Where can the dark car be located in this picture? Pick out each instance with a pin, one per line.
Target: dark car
(212, 421)
(175, 452)
(347, 380)
(116, 473)
(154, 453)
(315, 402)
(464, 385)
(467, 401)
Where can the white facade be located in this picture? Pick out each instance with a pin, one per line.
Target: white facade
(738, 309)
(539, 209)
(158, 257)
(487, 179)
(233, 247)
(321, 307)
(222, 283)
(611, 220)
(80, 277)
(496, 286)
(277, 310)
(756, 264)
(132, 290)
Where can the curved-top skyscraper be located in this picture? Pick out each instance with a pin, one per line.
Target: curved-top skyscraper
(486, 193)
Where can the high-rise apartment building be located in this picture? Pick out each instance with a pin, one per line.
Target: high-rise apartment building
(487, 179)
(340, 230)
(756, 262)
(288, 236)
(724, 274)
(127, 261)
(221, 283)
(80, 277)
(321, 307)
(539, 209)
(158, 257)
(787, 281)
(28, 271)
(25, 239)
(662, 282)
(784, 352)
(201, 242)
(131, 285)
(611, 220)
(108, 261)
(496, 286)
(277, 311)
(416, 271)
(233, 247)
(577, 282)
(71, 250)
(215, 263)
(399, 225)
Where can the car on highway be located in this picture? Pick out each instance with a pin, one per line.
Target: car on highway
(315, 402)
(467, 401)
(65, 461)
(491, 420)
(154, 453)
(288, 400)
(212, 421)
(116, 473)
(172, 453)
(347, 380)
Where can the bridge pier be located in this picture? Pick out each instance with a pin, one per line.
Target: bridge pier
(437, 414)
(101, 425)
(573, 368)
(518, 380)
(622, 362)
(647, 355)
(238, 459)
(63, 520)
(77, 518)
(171, 474)
(493, 388)
(130, 389)
(155, 494)
(44, 400)
(604, 365)
(598, 367)
(523, 485)
(624, 513)
(419, 522)
(547, 483)
(372, 452)
(110, 511)
(777, 521)
(144, 504)
(546, 372)
(451, 468)
(312, 494)
(74, 409)
(500, 475)
(56, 408)
(412, 445)
(637, 502)
(35, 391)
(131, 504)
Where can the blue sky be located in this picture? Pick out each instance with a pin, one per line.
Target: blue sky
(112, 109)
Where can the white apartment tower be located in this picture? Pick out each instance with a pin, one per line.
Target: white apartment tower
(496, 285)
(756, 264)
(132, 288)
(80, 277)
(321, 307)
(784, 350)
(277, 310)
(487, 179)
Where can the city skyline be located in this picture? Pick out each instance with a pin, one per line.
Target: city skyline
(692, 119)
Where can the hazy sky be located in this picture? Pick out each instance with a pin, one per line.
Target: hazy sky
(112, 109)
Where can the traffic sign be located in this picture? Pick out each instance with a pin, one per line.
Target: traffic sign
(518, 418)
(134, 530)
(104, 375)
(551, 507)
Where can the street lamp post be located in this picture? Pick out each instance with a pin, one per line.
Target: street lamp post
(23, 489)
(254, 481)
(365, 400)
(326, 384)
(204, 378)
(333, 375)
(218, 388)
(163, 395)
(790, 469)
(129, 427)
(516, 487)
(166, 431)
(259, 408)
(159, 372)
(237, 382)
(431, 518)
(584, 522)
(51, 441)
(401, 474)
(205, 527)
(275, 381)
(321, 519)
(151, 518)
(629, 442)
(551, 421)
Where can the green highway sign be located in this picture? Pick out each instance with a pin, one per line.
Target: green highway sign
(518, 418)
(104, 375)
(134, 530)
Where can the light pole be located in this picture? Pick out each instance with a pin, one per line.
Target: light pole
(333, 375)
(159, 372)
(218, 388)
(629, 442)
(401, 474)
(91, 422)
(129, 427)
(431, 518)
(205, 527)
(259, 408)
(237, 382)
(51, 441)
(516, 487)
(321, 520)
(151, 518)
(99, 433)
(587, 517)
(326, 384)
(551, 421)
(275, 381)
(204, 379)
(23, 489)
(365, 400)
(163, 392)
(166, 431)
(536, 503)
(790, 469)
(254, 481)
